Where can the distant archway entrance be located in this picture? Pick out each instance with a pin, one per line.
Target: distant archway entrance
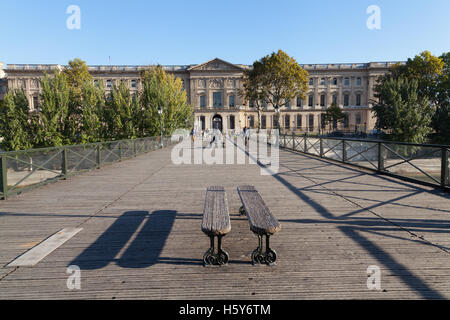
(217, 122)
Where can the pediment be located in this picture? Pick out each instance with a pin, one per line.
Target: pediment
(216, 65)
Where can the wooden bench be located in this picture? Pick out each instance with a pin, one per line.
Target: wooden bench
(262, 223)
(216, 223)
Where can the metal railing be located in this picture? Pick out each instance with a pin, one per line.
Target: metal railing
(426, 164)
(27, 169)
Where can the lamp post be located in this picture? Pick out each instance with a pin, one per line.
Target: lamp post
(160, 111)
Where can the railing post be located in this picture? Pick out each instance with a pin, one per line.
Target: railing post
(3, 177)
(321, 147)
(120, 151)
(381, 151)
(305, 145)
(99, 155)
(444, 168)
(293, 140)
(64, 163)
(344, 152)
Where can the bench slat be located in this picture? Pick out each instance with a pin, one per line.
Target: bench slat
(216, 219)
(260, 218)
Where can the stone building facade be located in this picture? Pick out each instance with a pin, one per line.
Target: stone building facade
(212, 88)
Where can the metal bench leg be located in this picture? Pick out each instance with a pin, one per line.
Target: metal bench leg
(211, 257)
(259, 256)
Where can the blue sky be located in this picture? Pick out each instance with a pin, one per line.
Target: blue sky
(188, 32)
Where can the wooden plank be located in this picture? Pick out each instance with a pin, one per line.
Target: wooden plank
(31, 257)
(261, 219)
(216, 219)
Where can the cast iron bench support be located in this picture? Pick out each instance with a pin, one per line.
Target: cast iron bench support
(216, 223)
(262, 223)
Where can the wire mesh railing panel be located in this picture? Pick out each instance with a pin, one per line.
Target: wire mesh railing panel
(26, 168)
(81, 158)
(362, 153)
(110, 152)
(411, 161)
(23, 170)
(313, 146)
(332, 149)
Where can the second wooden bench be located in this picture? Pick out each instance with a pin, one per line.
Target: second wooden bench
(262, 223)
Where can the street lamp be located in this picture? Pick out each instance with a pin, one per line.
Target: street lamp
(160, 111)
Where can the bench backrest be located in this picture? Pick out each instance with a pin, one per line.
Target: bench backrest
(216, 219)
(260, 218)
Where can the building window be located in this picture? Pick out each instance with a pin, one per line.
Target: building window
(287, 103)
(251, 121)
(346, 82)
(334, 81)
(232, 126)
(311, 122)
(311, 100)
(311, 81)
(203, 122)
(322, 81)
(299, 101)
(334, 100)
(231, 101)
(346, 122)
(202, 101)
(346, 100)
(322, 100)
(275, 121)
(358, 118)
(251, 104)
(322, 120)
(217, 99)
(263, 122)
(358, 99)
(133, 83)
(358, 81)
(299, 121)
(108, 83)
(287, 121)
(35, 102)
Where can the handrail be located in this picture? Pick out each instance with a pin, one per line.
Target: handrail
(381, 156)
(27, 169)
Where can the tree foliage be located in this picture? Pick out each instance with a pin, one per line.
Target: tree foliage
(334, 114)
(403, 111)
(163, 90)
(431, 74)
(14, 121)
(275, 79)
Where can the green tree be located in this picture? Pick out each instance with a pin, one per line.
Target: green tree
(93, 104)
(163, 90)
(252, 90)
(51, 117)
(441, 119)
(78, 77)
(403, 111)
(334, 114)
(121, 114)
(14, 122)
(279, 79)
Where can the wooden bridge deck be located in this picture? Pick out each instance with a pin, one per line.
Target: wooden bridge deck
(142, 237)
